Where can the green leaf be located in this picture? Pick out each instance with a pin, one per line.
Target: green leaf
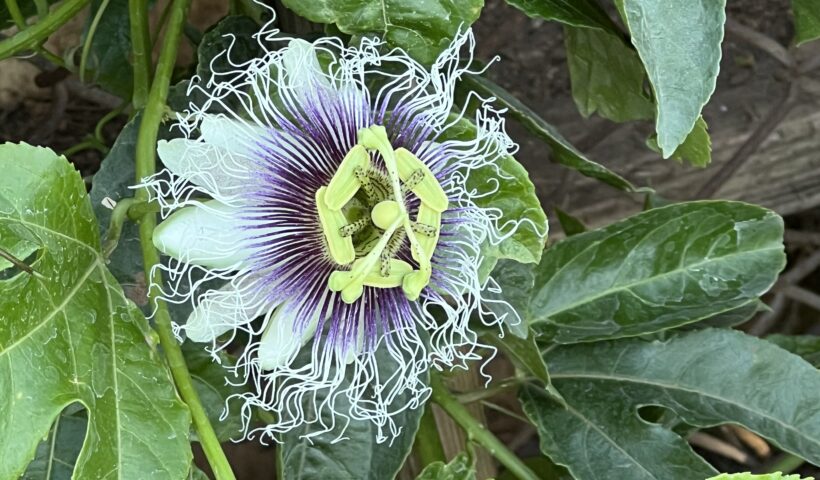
(765, 476)
(570, 224)
(806, 20)
(235, 32)
(69, 335)
(460, 468)
(515, 281)
(360, 455)
(211, 384)
(607, 76)
(577, 13)
(707, 377)
(108, 60)
(696, 149)
(58, 452)
(424, 28)
(563, 152)
(734, 317)
(679, 44)
(514, 196)
(806, 346)
(659, 269)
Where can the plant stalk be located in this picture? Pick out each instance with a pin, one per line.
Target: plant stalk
(146, 166)
(34, 35)
(140, 50)
(476, 431)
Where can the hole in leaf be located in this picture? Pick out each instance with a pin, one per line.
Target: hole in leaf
(658, 415)
(25, 253)
(58, 451)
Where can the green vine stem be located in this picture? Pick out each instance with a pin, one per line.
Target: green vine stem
(428, 441)
(33, 36)
(146, 166)
(476, 431)
(141, 50)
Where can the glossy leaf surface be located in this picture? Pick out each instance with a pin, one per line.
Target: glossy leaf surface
(659, 269)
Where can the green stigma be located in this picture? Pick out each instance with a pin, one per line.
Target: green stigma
(368, 244)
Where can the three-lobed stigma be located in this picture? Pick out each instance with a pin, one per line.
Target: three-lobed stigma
(388, 214)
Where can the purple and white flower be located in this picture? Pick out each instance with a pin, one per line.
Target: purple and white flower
(328, 199)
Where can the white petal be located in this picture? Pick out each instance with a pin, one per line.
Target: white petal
(209, 166)
(301, 66)
(222, 310)
(280, 342)
(210, 235)
(241, 138)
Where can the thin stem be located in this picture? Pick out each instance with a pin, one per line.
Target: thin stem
(89, 144)
(20, 21)
(98, 130)
(428, 440)
(18, 263)
(146, 166)
(89, 39)
(141, 50)
(33, 36)
(476, 431)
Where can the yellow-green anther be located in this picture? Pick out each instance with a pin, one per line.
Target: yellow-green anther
(413, 283)
(415, 178)
(352, 292)
(428, 224)
(340, 247)
(396, 271)
(428, 189)
(385, 214)
(345, 183)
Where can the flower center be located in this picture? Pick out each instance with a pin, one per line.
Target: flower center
(388, 223)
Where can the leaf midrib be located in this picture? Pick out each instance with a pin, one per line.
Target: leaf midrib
(632, 285)
(642, 381)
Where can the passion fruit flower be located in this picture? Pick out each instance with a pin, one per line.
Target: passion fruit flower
(329, 199)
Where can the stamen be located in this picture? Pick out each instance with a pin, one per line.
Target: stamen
(424, 229)
(413, 181)
(427, 217)
(340, 247)
(354, 228)
(345, 183)
(428, 189)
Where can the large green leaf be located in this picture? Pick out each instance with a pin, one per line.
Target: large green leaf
(577, 13)
(423, 28)
(607, 76)
(514, 196)
(306, 454)
(69, 335)
(679, 44)
(707, 377)
(460, 468)
(806, 20)
(659, 269)
(563, 151)
(765, 476)
(108, 60)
